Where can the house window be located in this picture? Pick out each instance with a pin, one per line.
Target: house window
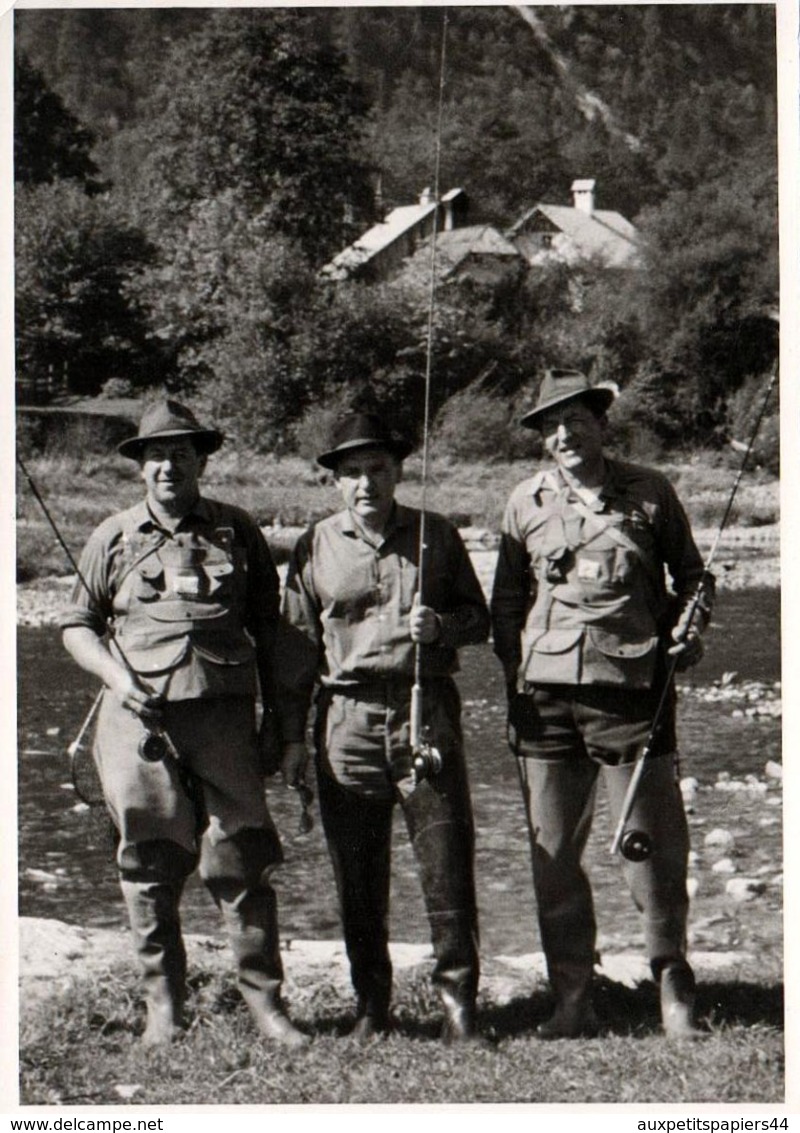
(546, 239)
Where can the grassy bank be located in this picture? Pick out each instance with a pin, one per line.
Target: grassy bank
(83, 1049)
(81, 491)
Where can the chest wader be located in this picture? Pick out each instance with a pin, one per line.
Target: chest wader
(358, 827)
(592, 625)
(182, 634)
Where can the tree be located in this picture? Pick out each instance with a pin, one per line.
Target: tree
(49, 141)
(253, 103)
(76, 259)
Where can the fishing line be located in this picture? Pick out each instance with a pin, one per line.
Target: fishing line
(156, 737)
(416, 691)
(636, 845)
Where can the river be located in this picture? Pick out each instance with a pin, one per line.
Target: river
(65, 865)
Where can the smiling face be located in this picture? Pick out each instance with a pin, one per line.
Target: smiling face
(171, 469)
(573, 435)
(367, 479)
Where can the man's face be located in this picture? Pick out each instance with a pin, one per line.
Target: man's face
(171, 470)
(573, 436)
(367, 479)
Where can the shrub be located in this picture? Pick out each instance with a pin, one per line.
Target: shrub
(475, 425)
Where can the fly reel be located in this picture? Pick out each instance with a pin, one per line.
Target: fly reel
(636, 846)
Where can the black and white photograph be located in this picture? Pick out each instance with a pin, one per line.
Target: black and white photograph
(395, 482)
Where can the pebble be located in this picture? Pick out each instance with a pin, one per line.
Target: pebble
(742, 889)
(723, 839)
(773, 770)
(724, 865)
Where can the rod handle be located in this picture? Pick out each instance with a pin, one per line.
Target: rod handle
(416, 716)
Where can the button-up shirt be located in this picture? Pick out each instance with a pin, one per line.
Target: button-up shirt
(651, 517)
(348, 600)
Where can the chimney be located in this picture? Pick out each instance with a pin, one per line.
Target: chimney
(583, 196)
(425, 197)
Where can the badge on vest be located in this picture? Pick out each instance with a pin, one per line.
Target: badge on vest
(588, 569)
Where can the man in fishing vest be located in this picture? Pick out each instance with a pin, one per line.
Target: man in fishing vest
(353, 620)
(584, 626)
(175, 612)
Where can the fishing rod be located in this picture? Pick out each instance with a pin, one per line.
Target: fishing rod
(156, 743)
(637, 845)
(427, 760)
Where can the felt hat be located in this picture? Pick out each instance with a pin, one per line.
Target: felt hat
(167, 420)
(362, 430)
(559, 386)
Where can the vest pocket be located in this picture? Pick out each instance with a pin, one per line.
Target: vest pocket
(554, 656)
(612, 659)
(149, 660)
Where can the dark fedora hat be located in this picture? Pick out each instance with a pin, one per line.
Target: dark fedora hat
(559, 386)
(169, 419)
(362, 430)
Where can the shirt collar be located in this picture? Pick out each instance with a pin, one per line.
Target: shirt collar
(145, 520)
(400, 516)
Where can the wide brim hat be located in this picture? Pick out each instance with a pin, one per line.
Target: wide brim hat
(362, 430)
(559, 386)
(167, 420)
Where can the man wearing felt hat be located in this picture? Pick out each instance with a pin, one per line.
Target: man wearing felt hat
(584, 626)
(356, 608)
(175, 611)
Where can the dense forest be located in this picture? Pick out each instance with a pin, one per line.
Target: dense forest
(182, 175)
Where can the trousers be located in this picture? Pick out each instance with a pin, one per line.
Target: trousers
(582, 735)
(357, 819)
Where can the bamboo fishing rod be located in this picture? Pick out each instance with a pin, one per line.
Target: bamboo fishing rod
(426, 759)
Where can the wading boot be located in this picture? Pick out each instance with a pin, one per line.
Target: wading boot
(459, 1019)
(677, 988)
(155, 926)
(250, 917)
(372, 1019)
(574, 1015)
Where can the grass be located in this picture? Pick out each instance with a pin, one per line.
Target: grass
(80, 491)
(82, 1048)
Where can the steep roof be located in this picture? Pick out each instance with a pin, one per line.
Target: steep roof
(377, 238)
(453, 247)
(602, 233)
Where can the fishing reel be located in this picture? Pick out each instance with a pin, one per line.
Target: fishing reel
(427, 762)
(153, 747)
(636, 846)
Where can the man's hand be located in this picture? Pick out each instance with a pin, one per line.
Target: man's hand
(687, 650)
(137, 696)
(425, 623)
(293, 763)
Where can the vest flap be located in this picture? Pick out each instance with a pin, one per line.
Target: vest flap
(235, 654)
(156, 658)
(150, 568)
(557, 640)
(184, 610)
(615, 646)
(218, 570)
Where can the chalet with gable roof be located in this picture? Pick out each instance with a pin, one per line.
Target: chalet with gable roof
(477, 253)
(378, 254)
(548, 233)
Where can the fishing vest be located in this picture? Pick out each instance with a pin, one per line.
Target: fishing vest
(596, 576)
(177, 613)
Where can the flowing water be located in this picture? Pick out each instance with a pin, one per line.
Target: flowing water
(66, 870)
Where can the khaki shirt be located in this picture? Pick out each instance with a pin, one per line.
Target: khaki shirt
(347, 603)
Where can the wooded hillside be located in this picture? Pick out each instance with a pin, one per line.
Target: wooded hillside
(182, 174)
